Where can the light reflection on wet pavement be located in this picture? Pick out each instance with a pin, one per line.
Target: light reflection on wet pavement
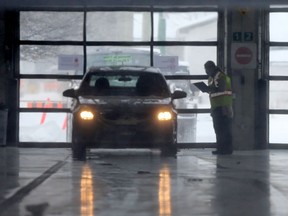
(140, 182)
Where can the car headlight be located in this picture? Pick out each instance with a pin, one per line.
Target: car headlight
(164, 116)
(86, 115)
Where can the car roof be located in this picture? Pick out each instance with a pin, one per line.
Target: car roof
(125, 68)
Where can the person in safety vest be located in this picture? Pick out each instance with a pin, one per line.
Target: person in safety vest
(220, 94)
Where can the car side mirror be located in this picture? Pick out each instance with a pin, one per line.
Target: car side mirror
(70, 93)
(179, 94)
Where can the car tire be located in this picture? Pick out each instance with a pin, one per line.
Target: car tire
(78, 149)
(169, 150)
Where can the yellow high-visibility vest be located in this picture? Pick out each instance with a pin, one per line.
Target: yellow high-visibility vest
(220, 98)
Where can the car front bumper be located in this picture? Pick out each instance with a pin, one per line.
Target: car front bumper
(110, 134)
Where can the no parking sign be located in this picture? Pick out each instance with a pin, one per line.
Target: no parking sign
(243, 55)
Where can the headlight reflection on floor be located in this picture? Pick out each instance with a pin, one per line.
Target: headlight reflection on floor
(164, 193)
(87, 197)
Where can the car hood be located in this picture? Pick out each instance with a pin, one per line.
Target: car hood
(123, 100)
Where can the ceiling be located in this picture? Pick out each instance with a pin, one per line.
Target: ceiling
(63, 4)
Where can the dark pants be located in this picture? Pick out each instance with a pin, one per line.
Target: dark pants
(223, 130)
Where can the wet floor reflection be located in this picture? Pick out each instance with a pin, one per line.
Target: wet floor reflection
(164, 193)
(87, 195)
(9, 178)
(242, 185)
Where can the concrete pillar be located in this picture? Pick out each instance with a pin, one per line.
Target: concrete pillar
(8, 84)
(3, 75)
(243, 45)
(3, 81)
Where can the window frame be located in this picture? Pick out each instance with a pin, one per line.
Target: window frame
(219, 44)
(274, 78)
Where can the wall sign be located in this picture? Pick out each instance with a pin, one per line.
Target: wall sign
(243, 55)
(166, 63)
(70, 62)
(237, 36)
(248, 36)
(242, 36)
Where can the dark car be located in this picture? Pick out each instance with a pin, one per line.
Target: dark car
(123, 107)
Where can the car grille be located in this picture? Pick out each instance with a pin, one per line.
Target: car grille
(126, 118)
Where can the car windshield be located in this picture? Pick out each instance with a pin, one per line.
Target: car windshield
(124, 84)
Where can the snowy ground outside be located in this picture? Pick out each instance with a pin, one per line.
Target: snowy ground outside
(50, 127)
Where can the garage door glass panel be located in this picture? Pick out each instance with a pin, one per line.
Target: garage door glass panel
(185, 26)
(278, 95)
(184, 59)
(43, 127)
(45, 93)
(278, 62)
(118, 26)
(278, 128)
(195, 128)
(53, 26)
(195, 98)
(278, 30)
(40, 59)
(113, 55)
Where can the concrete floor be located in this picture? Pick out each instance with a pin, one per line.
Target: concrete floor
(35, 182)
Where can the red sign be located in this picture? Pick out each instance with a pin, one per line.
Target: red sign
(243, 55)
